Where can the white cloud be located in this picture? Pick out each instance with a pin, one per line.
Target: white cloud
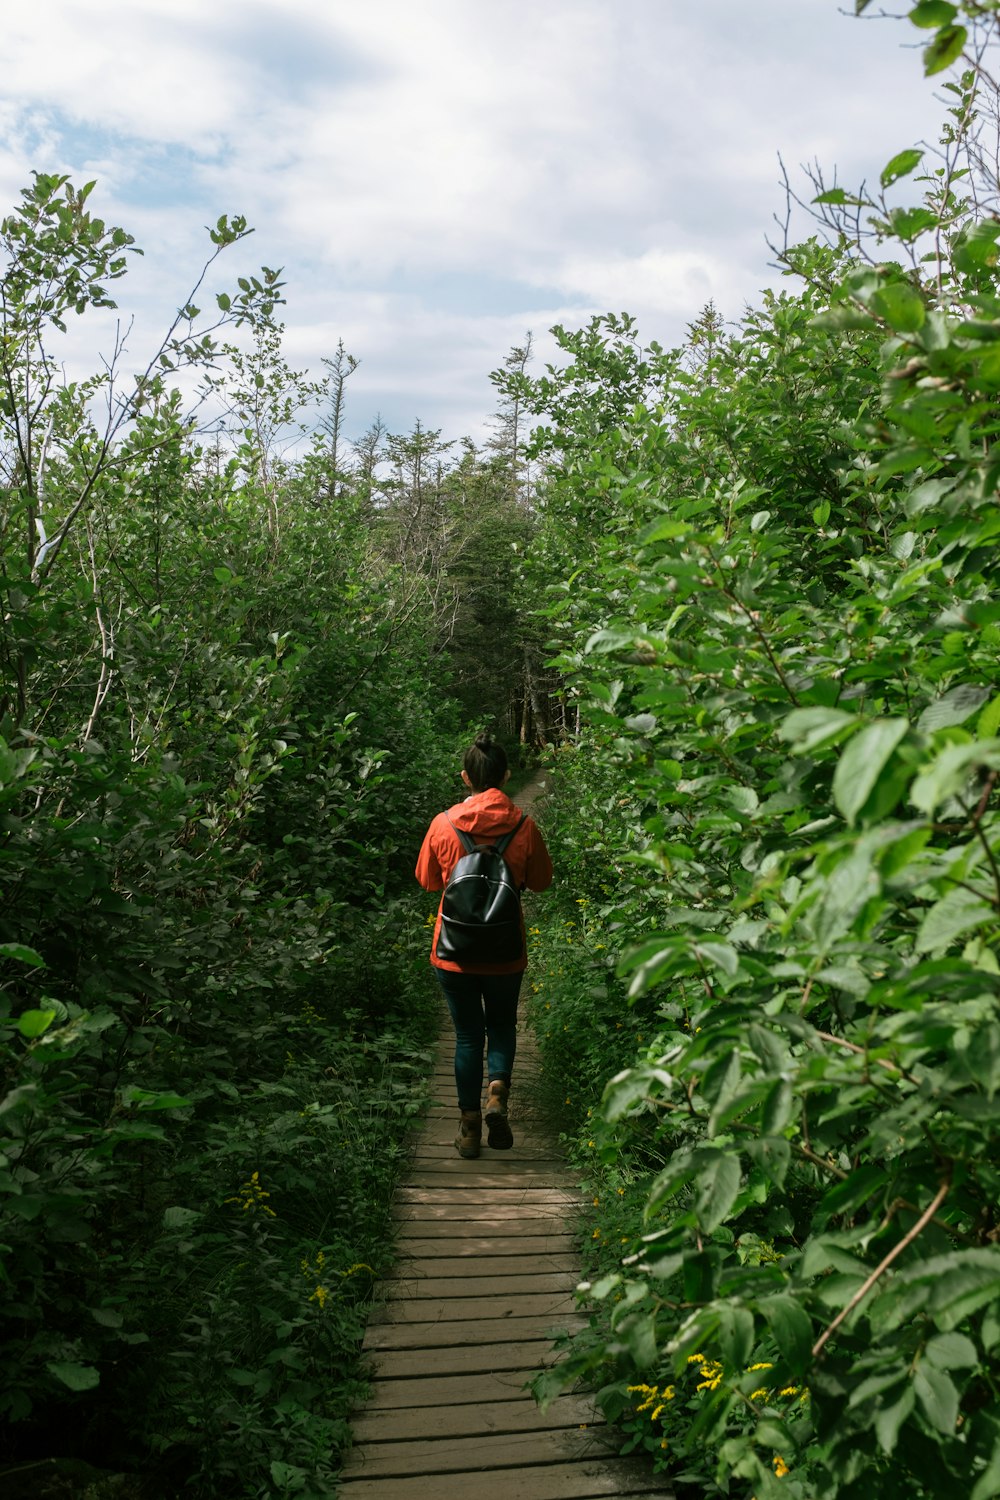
(659, 281)
(596, 153)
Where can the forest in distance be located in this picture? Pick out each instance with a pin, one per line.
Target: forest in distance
(740, 599)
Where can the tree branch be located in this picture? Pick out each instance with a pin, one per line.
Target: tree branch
(884, 1264)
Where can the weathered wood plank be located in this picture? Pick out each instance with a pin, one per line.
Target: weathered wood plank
(435, 1239)
(508, 1175)
(467, 1419)
(535, 1353)
(499, 1195)
(447, 1309)
(441, 1391)
(477, 1334)
(508, 1268)
(489, 1212)
(467, 1455)
(591, 1480)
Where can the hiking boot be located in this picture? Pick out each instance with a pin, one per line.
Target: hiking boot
(470, 1132)
(498, 1131)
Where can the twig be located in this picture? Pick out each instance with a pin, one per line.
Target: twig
(107, 646)
(883, 1266)
(839, 1041)
(821, 1161)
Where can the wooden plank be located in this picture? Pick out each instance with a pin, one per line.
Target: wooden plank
(464, 1359)
(499, 1196)
(449, 1241)
(442, 1391)
(590, 1480)
(468, 1419)
(446, 1309)
(504, 1173)
(476, 1334)
(467, 1455)
(485, 1287)
(489, 1212)
(510, 1268)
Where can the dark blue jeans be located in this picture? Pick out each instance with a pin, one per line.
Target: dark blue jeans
(484, 1009)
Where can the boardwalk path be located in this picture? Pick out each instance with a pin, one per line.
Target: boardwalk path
(486, 1274)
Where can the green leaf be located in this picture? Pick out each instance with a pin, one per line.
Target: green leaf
(180, 1218)
(718, 1186)
(949, 771)
(951, 1351)
(791, 1328)
(908, 223)
(933, 13)
(778, 1108)
(107, 1317)
(32, 1023)
(959, 911)
(736, 1334)
(937, 1397)
(976, 248)
(900, 305)
(863, 763)
(962, 1283)
(889, 1419)
(953, 707)
(946, 47)
(24, 955)
(807, 729)
(989, 720)
(76, 1377)
(901, 165)
(144, 1099)
(986, 1429)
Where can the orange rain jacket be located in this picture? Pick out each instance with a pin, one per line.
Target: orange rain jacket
(487, 815)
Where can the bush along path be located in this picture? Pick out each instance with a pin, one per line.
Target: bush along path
(780, 851)
(486, 1273)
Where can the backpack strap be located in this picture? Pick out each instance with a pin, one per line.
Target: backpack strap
(469, 844)
(501, 844)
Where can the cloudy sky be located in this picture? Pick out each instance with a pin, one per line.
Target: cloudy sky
(437, 177)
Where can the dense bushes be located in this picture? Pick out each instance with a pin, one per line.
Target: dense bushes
(782, 824)
(221, 735)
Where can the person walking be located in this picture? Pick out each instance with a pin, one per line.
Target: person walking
(482, 997)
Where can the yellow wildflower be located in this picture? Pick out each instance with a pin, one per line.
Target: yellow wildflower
(780, 1467)
(253, 1199)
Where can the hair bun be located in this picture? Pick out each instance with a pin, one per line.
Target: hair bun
(484, 741)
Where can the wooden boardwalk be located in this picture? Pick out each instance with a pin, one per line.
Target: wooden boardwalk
(486, 1275)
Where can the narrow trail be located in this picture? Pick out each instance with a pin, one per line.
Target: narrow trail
(485, 1277)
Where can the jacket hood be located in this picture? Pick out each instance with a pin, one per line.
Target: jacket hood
(490, 812)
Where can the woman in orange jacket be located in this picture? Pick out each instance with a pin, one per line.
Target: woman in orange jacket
(482, 998)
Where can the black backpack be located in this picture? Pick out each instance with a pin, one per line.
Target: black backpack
(481, 906)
